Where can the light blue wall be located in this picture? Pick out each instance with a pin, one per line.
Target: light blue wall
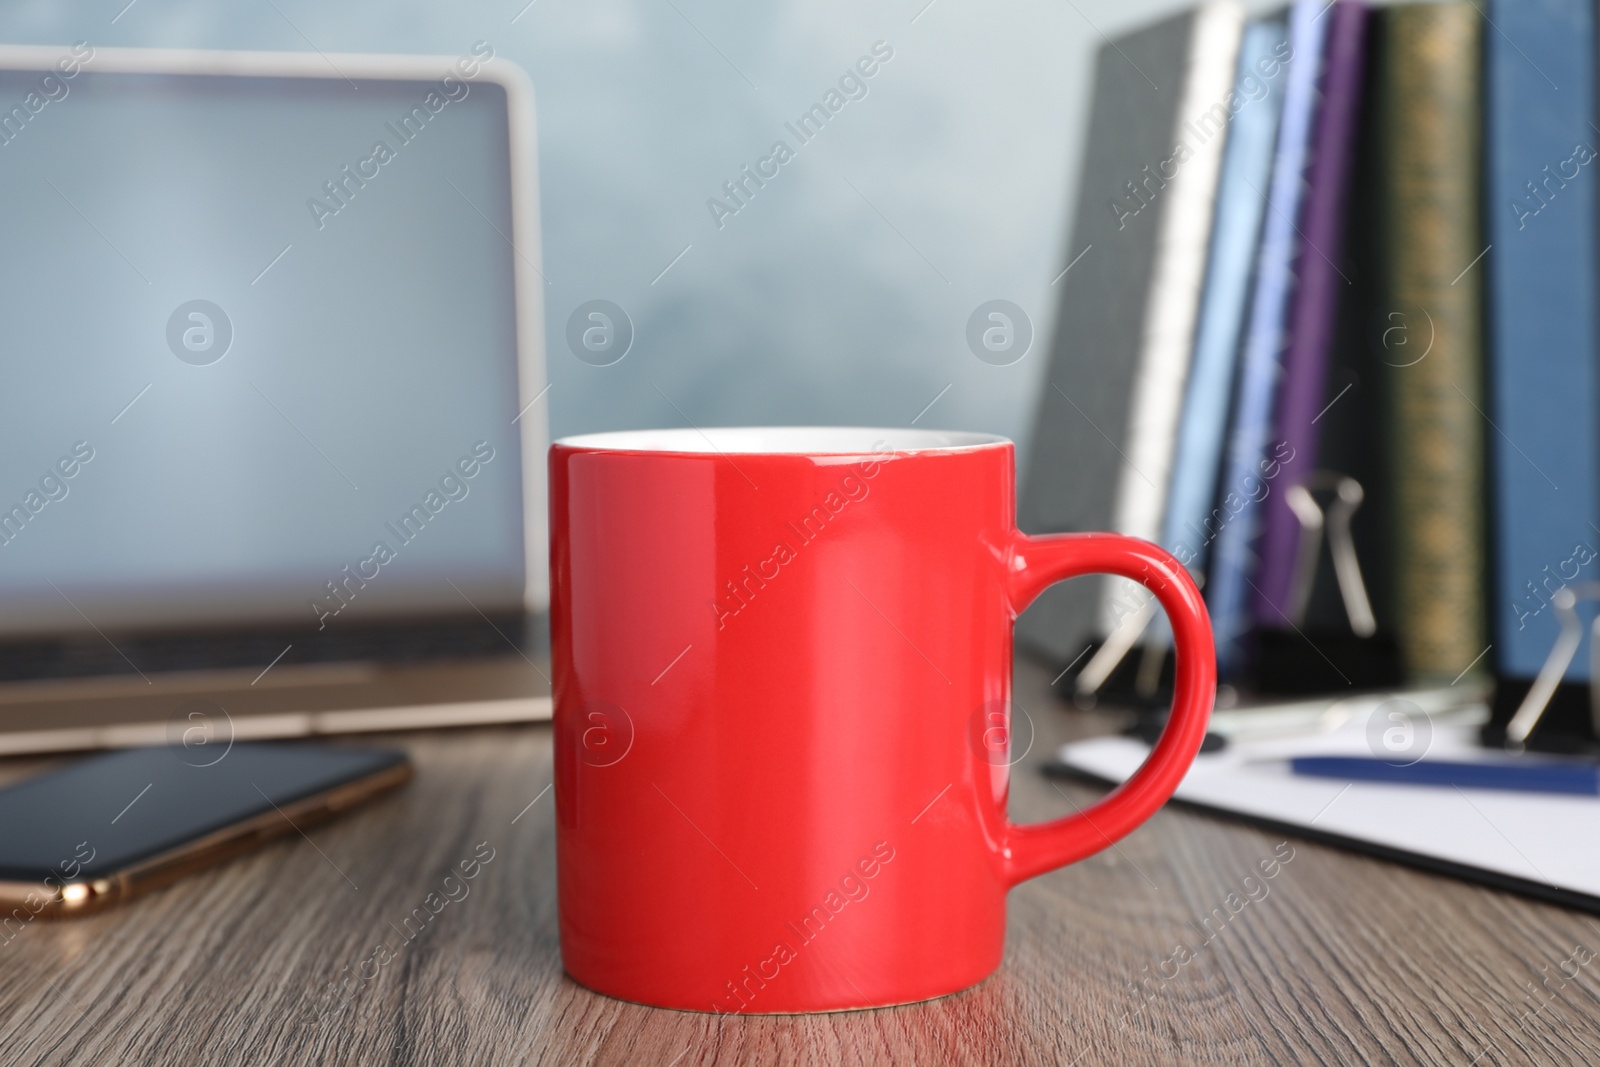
(841, 293)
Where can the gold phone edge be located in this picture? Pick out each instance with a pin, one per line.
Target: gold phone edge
(78, 897)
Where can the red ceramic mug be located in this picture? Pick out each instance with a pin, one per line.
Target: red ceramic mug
(782, 665)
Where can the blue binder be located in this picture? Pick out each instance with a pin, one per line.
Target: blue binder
(1543, 281)
(1192, 521)
(1228, 593)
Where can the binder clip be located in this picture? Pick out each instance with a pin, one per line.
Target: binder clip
(1304, 659)
(1308, 658)
(1548, 714)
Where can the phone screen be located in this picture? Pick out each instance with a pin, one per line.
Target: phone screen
(104, 814)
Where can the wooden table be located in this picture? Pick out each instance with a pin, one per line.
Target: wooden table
(1345, 959)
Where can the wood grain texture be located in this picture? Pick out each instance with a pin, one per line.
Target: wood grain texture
(1343, 959)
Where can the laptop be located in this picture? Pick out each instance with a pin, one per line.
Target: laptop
(272, 423)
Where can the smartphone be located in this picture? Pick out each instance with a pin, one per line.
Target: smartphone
(106, 829)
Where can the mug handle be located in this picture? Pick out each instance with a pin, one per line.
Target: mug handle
(1036, 562)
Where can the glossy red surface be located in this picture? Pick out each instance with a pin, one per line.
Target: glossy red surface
(782, 689)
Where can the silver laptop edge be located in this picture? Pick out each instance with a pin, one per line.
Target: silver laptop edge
(532, 420)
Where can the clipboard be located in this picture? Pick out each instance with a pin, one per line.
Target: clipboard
(1524, 843)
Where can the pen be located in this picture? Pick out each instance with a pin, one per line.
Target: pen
(1533, 776)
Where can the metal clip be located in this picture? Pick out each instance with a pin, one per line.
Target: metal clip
(1348, 496)
(1533, 706)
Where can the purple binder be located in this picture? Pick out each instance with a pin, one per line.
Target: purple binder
(1302, 392)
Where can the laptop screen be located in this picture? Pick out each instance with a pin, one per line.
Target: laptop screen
(258, 350)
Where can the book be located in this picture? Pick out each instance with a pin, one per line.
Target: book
(1172, 308)
(1352, 429)
(1432, 371)
(1252, 460)
(1321, 283)
(1103, 439)
(1191, 520)
(1542, 279)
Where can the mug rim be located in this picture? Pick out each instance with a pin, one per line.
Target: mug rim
(784, 441)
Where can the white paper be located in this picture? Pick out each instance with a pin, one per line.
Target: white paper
(1549, 839)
